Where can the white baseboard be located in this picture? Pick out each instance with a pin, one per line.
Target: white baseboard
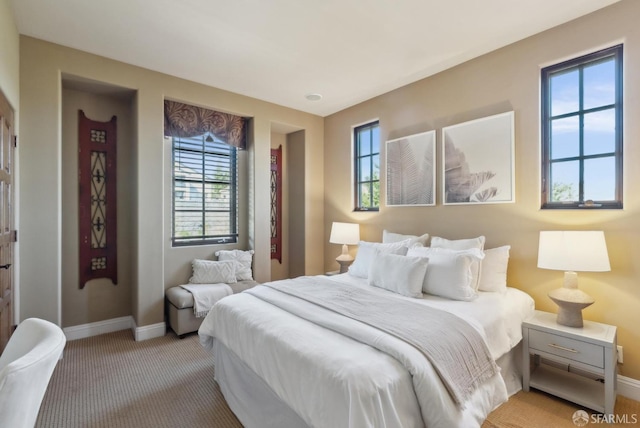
(97, 328)
(148, 331)
(629, 387)
(116, 324)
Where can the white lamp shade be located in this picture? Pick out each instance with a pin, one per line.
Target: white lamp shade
(579, 251)
(345, 233)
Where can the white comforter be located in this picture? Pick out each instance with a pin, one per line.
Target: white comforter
(333, 381)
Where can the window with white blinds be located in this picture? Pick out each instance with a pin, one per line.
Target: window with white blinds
(205, 191)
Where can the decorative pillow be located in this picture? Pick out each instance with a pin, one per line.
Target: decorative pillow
(367, 252)
(400, 274)
(449, 272)
(244, 259)
(458, 244)
(210, 272)
(463, 244)
(494, 269)
(390, 237)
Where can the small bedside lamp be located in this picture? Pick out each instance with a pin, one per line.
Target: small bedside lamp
(345, 234)
(572, 251)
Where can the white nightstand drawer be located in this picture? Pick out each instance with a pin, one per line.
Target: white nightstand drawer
(572, 349)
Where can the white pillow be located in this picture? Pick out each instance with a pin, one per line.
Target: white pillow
(449, 272)
(244, 259)
(400, 274)
(367, 252)
(390, 237)
(463, 244)
(458, 244)
(494, 269)
(210, 272)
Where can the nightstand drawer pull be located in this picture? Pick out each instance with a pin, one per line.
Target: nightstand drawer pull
(553, 345)
(567, 347)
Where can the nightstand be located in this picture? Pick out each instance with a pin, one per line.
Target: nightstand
(570, 357)
(333, 272)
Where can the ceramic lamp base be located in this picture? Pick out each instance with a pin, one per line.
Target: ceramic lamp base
(345, 259)
(344, 265)
(570, 313)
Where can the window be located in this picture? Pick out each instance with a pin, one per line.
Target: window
(582, 132)
(204, 191)
(367, 167)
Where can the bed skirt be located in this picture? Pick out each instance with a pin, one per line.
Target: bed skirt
(256, 405)
(252, 401)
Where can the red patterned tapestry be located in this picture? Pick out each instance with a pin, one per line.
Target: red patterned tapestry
(184, 120)
(97, 199)
(276, 204)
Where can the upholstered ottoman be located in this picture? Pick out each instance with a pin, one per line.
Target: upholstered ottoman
(180, 307)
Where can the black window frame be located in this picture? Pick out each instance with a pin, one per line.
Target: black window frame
(579, 64)
(231, 158)
(357, 157)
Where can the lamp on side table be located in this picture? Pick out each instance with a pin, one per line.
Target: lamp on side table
(572, 251)
(345, 234)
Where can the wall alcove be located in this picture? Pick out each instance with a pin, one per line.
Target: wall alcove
(99, 299)
(292, 141)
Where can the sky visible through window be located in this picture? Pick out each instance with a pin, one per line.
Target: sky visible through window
(368, 166)
(599, 129)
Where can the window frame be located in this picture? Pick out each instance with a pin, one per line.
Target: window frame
(579, 63)
(356, 167)
(205, 239)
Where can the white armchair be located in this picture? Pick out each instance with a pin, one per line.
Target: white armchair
(26, 366)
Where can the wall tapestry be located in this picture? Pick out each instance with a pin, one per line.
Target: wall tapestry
(97, 199)
(411, 172)
(276, 204)
(478, 158)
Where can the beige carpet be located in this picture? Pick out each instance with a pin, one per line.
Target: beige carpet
(111, 381)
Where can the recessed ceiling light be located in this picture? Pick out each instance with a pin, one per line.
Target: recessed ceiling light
(313, 97)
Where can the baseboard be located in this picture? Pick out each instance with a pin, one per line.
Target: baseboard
(629, 387)
(148, 331)
(97, 328)
(116, 324)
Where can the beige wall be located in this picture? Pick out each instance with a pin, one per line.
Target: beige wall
(298, 206)
(9, 54)
(99, 300)
(505, 80)
(41, 65)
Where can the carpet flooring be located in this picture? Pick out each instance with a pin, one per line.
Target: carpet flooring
(111, 381)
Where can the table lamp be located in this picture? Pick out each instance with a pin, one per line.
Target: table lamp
(345, 234)
(572, 251)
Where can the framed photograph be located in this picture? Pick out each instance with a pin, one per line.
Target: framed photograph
(411, 171)
(478, 161)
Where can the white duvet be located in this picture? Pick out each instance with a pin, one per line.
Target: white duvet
(333, 381)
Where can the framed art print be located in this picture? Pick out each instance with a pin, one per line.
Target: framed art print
(478, 161)
(411, 172)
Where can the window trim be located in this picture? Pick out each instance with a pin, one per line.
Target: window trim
(356, 168)
(230, 238)
(617, 53)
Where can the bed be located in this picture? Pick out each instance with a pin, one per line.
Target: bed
(284, 361)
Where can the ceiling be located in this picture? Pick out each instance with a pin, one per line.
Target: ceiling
(281, 50)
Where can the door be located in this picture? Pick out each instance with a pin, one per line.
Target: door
(7, 234)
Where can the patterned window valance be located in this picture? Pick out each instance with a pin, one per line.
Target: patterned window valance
(184, 120)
